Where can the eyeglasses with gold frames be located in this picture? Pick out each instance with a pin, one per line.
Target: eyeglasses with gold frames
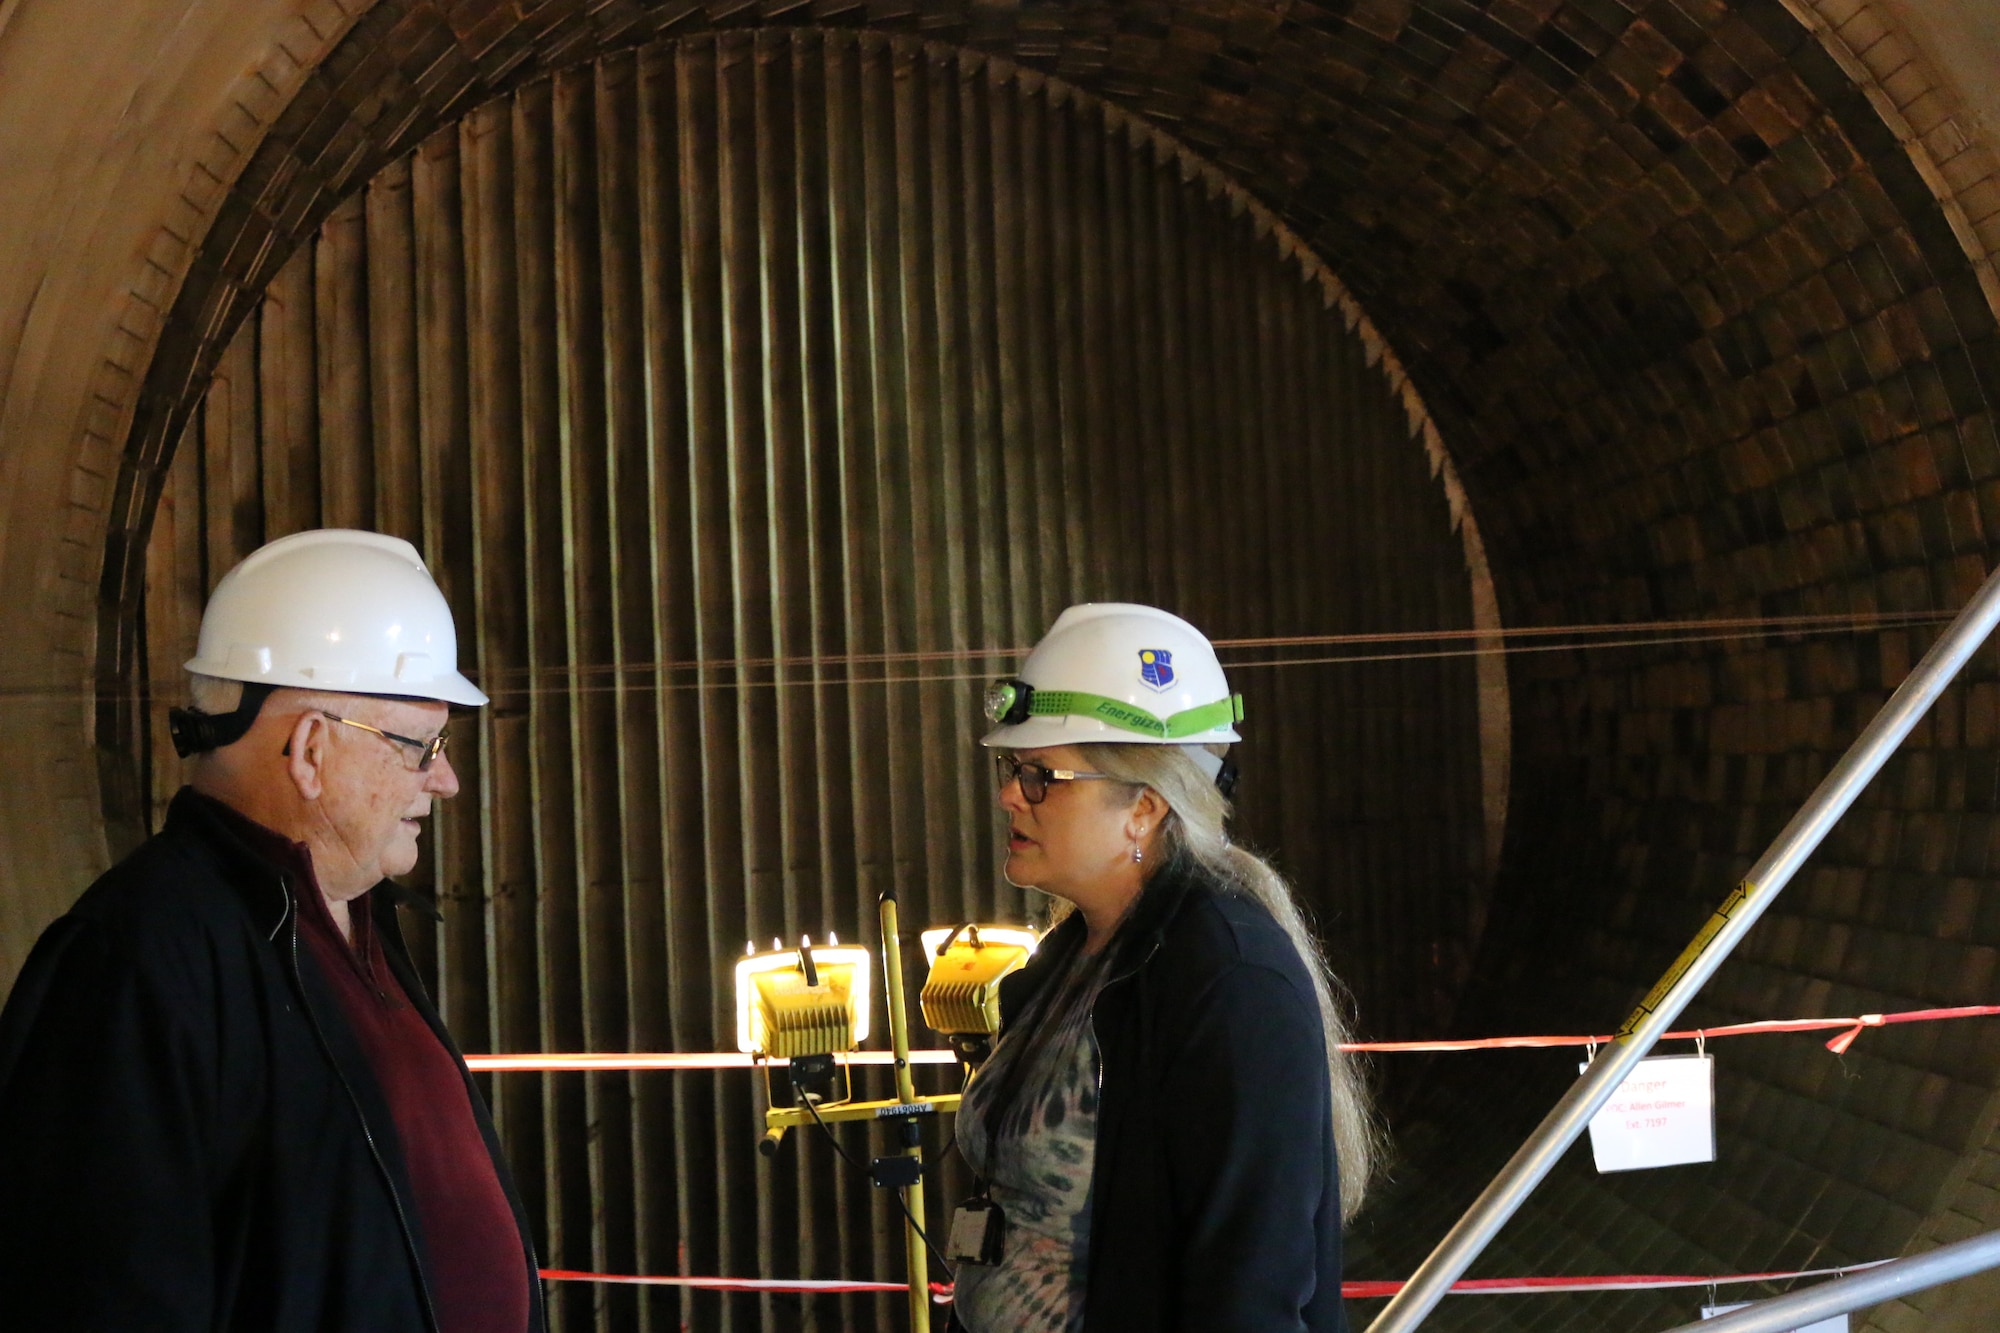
(427, 751)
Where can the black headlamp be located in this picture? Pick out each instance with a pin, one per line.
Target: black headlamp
(1009, 702)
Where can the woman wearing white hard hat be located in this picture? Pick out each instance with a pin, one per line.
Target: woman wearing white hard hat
(1167, 1135)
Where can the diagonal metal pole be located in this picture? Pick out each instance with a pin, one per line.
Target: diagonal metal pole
(1885, 1282)
(1829, 801)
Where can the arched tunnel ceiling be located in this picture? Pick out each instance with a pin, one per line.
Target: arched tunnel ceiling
(1610, 242)
(1701, 340)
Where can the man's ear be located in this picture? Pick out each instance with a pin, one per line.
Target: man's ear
(305, 755)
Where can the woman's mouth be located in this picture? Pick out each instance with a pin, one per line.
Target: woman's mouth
(1017, 840)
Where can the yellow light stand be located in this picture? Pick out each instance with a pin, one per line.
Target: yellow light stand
(809, 1004)
(774, 1010)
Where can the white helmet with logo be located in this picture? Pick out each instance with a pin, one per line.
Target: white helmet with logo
(334, 609)
(1115, 671)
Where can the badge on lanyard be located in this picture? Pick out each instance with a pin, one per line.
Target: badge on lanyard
(977, 1228)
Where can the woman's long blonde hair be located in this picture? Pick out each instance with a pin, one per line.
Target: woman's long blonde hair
(1195, 826)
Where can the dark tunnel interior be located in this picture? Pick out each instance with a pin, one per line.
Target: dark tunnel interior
(1701, 346)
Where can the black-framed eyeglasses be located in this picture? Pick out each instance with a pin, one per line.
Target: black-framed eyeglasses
(427, 751)
(1035, 778)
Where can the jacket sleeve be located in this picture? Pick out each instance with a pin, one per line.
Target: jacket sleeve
(107, 1124)
(1245, 1107)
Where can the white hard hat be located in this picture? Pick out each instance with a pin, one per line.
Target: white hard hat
(334, 609)
(1115, 671)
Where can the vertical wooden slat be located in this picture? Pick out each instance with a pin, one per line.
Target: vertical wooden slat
(601, 1188)
(960, 891)
(501, 632)
(817, 125)
(288, 397)
(390, 250)
(720, 905)
(748, 867)
(1163, 284)
(176, 587)
(552, 679)
(631, 918)
(451, 542)
(1039, 304)
(790, 765)
(997, 572)
(675, 1173)
(340, 342)
(233, 467)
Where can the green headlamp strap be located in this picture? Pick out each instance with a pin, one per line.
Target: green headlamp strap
(1129, 717)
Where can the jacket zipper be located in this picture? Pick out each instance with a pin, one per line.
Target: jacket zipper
(388, 1181)
(1097, 1052)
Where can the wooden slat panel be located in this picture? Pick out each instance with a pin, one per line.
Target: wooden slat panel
(837, 1236)
(720, 916)
(176, 587)
(232, 468)
(551, 792)
(391, 324)
(625, 923)
(500, 627)
(787, 1231)
(451, 532)
(672, 1177)
(697, 372)
(340, 342)
(288, 392)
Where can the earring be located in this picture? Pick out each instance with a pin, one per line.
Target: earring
(1138, 854)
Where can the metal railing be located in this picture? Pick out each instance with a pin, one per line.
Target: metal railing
(1796, 1309)
(1711, 945)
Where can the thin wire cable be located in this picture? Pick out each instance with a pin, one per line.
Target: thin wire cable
(833, 671)
(916, 1226)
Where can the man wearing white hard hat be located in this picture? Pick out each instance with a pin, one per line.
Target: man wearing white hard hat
(226, 1101)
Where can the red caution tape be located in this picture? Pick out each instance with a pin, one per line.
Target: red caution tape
(1850, 1028)
(940, 1291)
(1484, 1286)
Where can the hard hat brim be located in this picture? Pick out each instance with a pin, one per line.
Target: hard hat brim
(445, 687)
(1038, 732)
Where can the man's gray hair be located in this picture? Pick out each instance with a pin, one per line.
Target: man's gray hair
(213, 695)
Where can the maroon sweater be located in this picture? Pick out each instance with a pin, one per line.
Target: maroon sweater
(472, 1250)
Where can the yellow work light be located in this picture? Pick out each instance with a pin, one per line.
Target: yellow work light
(803, 1004)
(961, 995)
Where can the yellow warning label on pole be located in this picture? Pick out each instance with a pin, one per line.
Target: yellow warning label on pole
(1703, 938)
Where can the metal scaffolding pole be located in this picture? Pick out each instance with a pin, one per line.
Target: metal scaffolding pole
(1782, 1314)
(1829, 801)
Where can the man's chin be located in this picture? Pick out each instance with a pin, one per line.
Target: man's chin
(402, 857)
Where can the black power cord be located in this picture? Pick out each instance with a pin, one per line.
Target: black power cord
(813, 1111)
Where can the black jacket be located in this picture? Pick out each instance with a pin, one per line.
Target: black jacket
(190, 1137)
(1215, 1195)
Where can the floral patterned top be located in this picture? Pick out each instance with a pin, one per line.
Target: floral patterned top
(1028, 1127)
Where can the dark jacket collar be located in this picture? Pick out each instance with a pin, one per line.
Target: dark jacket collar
(1159, 903)
(261, 863)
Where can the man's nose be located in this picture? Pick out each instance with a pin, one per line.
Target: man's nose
(441, 779)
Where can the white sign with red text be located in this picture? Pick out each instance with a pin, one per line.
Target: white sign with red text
(1663, 1114)
(1837, 1324)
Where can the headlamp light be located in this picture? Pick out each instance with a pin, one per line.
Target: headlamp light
(1008, 702)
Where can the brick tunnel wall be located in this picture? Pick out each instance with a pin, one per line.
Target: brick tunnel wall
(1703, 345)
